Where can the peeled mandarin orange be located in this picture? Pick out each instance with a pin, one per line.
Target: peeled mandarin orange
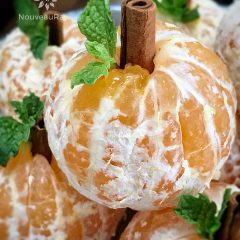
(227, 44)
(137, 140)
(159, 225)
(205, 28)
(37, 203)
(21, 73)
(165, 224)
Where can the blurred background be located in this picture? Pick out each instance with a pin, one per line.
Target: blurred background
(8, 18)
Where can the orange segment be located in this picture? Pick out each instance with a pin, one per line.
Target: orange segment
(14, 190)
(42, 198)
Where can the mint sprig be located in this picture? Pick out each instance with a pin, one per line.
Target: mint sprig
(14, 132)
(35, 27)
(97, 24)
(202, 212)
(178, 10)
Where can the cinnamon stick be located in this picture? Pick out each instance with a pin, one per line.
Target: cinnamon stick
(40, 141)
(55, 24)
(138, 33)
(189, 3)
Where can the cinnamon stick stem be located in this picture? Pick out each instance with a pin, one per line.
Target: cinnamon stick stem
(138, 33)
(55, 25)
(40, 141)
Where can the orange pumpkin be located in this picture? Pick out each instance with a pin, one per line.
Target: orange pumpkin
(159, 225)
(227, 46)
(21, 73)
(227, 43)
(165, 224)
(37, 202)
(138, 140)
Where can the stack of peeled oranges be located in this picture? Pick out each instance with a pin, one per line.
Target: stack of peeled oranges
(118, 138)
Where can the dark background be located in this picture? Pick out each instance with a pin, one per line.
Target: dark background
(7, 14)
(8, 19)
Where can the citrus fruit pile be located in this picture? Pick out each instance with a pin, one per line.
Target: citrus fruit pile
(118, 137)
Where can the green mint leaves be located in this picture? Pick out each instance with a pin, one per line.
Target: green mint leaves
(33, 25)
(97, 24)
(29, 109)
(14, 132)
(202, 212)
(177, 9)
(92, 72)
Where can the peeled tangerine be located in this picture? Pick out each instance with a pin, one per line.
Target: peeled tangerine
(227, 44)
(37, 203)
(228, 47)
(21, 73)
(137, 140)
(165, 224)
(204, 28)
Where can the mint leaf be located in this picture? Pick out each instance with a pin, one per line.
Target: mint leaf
(90, 74)
(29, 110)
(177, 9)
(39, 41)
(202, 212)
(35, 28)
(99, 51)
(12, 135)
(14, 132)
(97, 24)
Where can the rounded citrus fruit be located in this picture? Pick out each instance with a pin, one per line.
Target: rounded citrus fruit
(228, 47)
(166, 225)
(21, 73)
(37, 203)
(137, 140)
(159, 225)
(227, 44)
(205, 27)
